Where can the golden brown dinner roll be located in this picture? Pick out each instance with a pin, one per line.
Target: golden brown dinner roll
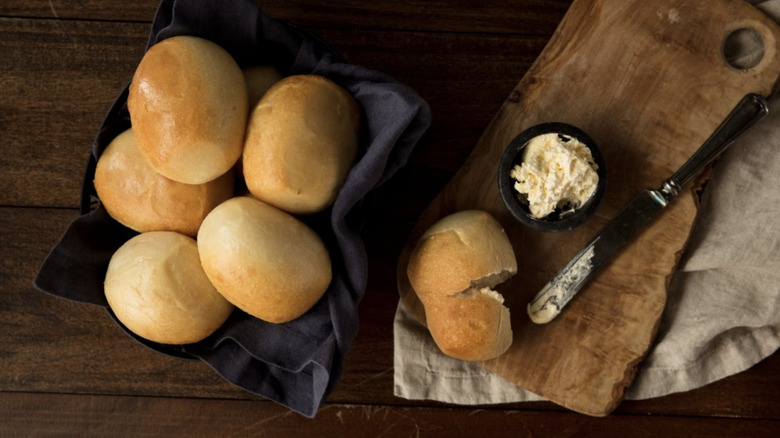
(188, 105)
(473, 326)
(263, 260)
(259, 78)
(301, 142)
(156, 287)
(452, 270)
(141, 199)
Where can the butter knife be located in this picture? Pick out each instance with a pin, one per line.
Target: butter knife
(639, 213)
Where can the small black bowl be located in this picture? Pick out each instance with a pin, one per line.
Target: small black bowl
(557, 220)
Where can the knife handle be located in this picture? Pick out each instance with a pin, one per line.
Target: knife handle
(749, 111)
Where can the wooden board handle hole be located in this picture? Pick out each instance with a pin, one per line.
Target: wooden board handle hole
(744, 48)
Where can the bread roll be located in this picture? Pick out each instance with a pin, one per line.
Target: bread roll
(473, 326)
(301, 142)
(259, 78)
(188, 104)
(453, 269)
(141, 199)
(263, 260)
(157, 288)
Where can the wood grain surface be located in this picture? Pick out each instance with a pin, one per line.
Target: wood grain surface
(649, 82)
(67, 370)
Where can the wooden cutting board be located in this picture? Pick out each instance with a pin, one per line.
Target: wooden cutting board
(649, 82)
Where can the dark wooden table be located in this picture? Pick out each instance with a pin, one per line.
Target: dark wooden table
(67, 369)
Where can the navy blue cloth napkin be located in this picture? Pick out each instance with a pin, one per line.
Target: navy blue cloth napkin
(296, 364)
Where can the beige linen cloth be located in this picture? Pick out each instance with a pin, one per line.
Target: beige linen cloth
(723, 310)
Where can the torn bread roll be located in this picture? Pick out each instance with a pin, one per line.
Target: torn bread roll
(142, 199)
(453, 269)
(188, 103)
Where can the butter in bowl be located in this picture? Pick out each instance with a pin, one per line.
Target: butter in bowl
(552, 177)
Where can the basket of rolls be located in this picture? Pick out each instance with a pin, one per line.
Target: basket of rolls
(221, 205)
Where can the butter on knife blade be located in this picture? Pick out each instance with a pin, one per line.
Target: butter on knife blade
(562, 288)
(549, 302)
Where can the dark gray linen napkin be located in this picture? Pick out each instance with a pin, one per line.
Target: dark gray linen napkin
(296, 364)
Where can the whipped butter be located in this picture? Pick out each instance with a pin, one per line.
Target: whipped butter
(557, 172)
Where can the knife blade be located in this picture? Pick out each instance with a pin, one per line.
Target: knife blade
(639, 213)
